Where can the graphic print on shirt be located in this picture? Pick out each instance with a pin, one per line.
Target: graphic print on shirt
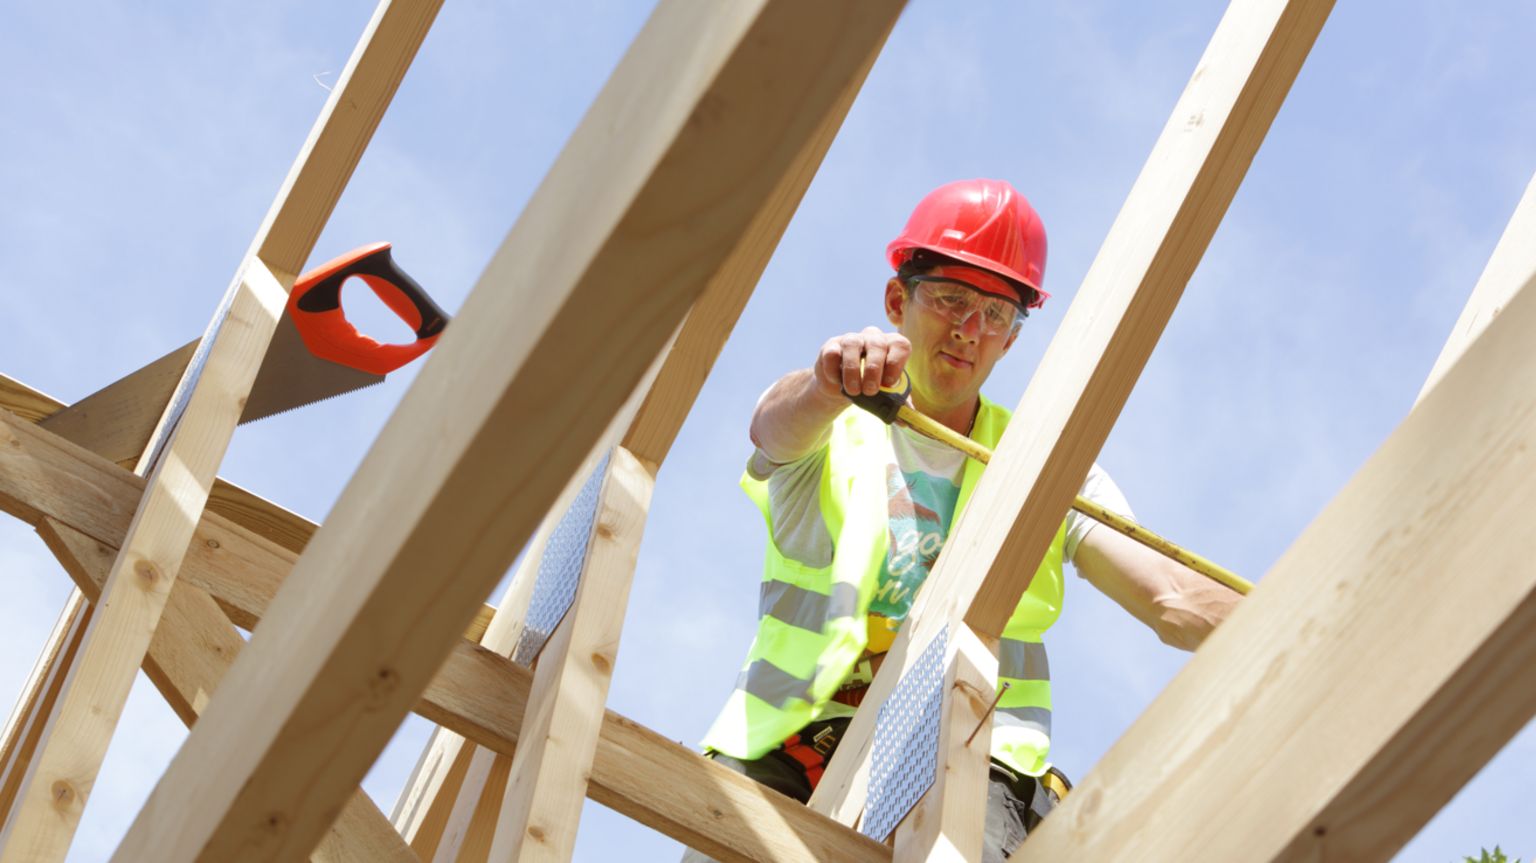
(922, 508)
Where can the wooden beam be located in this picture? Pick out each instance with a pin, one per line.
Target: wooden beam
(196, 642)
(309, 193)
(43, 475)
(1511, 267)
(476, 693)
(465, 469)
(1419, 573)
(240, 506)
(25, 402)
(703, 805)
(191, 650)
(452, 801)
(548, 780)
(440, 805)
(1104, 340)
(35, 707)
(59, 780)
(118, 420)
(950, 820)
(688, 362)
(472, 823)
(691, 358)
(422, 811)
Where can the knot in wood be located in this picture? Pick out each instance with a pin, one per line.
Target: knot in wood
(601, 662)
(147, 572)
(605, 530)
(213, 543)
(64, 794)
(536, 832)
(385, 681)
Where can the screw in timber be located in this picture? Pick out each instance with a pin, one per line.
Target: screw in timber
(988, 714)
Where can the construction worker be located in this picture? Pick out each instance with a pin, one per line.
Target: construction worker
(858, 510)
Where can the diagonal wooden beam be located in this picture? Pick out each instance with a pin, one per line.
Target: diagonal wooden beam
(283, 242)
(449, 807)
(546, 782)
(191, 650)
(615, 246)
(1511, 266)
(265, 518)
(1395, 640)
(477, 693)
(63, 770)
(651, 431)
(44, 475)
(471, 824)
(117, 420)
(949, 822)
(1104, 341)
(453, 814)
(35, 707)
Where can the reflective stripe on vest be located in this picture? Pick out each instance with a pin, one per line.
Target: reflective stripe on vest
(812, 621)
(807, 609)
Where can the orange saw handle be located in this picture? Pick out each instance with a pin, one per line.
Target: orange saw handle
(315, 306)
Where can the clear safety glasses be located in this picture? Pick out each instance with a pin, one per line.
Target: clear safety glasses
(957, 301)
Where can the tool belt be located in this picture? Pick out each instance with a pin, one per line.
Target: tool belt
(812, 749)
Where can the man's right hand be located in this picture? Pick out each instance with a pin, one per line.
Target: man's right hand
(792, 418)
(861, 362)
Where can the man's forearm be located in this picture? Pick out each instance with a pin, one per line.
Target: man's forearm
(793, 416)
(1179, 604)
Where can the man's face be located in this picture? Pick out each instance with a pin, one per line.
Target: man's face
(950, 360)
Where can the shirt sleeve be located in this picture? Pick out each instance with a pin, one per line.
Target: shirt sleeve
(794, 505)
(1100, 489)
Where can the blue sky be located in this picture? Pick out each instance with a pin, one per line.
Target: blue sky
(144, 143)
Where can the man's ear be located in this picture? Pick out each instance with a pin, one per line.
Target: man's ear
(895, 301)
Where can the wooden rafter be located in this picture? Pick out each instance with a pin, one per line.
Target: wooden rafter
(464, 470)
(476, 692)
(449, 808)
(1093, 361)
(655, 423)
(547, 780)
(63, 770)
(192, 649)
(39, 694)
(1419, 573)
(948, 822)
(191, 446)
(1510, 268)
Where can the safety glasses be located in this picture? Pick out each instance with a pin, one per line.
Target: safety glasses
(957, 301)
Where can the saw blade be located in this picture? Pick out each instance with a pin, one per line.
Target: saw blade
(292, 377)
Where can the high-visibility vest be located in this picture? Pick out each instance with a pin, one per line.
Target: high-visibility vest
(812, 626)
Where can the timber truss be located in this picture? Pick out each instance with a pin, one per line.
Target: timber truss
(719, 144)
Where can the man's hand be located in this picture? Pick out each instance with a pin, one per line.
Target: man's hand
(861, 362)
(792, 418)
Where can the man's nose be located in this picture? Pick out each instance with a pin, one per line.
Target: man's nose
(968, 328)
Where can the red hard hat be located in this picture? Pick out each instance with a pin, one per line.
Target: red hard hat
(984, 223)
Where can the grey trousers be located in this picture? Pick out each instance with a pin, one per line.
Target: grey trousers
(1015, 803)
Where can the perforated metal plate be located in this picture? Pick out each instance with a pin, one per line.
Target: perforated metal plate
(565, 554)
(906, 747)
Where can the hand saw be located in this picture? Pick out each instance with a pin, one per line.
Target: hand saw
(316, 353)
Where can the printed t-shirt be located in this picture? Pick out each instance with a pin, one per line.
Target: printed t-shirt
(923, 483)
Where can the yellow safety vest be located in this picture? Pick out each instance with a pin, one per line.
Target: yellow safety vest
(812, 628)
